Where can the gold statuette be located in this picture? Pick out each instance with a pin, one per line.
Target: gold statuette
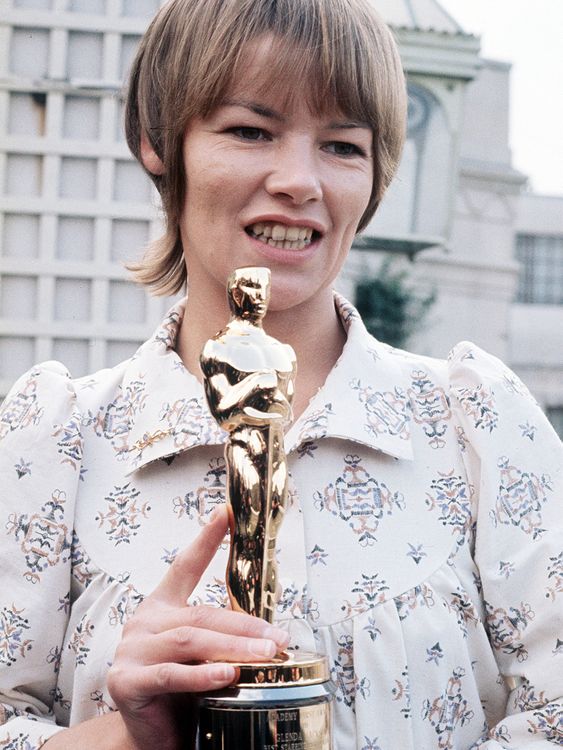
(283, 703)
(249, 384)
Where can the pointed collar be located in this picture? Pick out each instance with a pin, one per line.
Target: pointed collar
(165, 402)
(364, 398)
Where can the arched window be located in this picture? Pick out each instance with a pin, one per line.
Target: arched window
(416, 207)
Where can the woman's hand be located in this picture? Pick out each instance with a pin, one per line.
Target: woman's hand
(166, 647)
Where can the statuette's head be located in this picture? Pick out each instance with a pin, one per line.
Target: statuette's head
(248, 292)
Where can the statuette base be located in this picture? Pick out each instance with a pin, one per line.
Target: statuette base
(283, 704)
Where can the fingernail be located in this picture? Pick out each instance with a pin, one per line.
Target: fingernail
(281, 637)
(259, 647)
(221, 673)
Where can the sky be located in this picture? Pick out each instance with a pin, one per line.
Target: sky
(529, 34)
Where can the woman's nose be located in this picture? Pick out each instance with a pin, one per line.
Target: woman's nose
(294, 176)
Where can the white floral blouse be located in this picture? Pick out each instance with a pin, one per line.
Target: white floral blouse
(422, 551)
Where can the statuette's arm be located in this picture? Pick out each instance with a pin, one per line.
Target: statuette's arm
(246, 392)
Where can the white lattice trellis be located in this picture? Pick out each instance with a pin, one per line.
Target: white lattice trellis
(73, 204)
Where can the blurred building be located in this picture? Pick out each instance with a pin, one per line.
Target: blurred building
(74, 205)
(492, 250)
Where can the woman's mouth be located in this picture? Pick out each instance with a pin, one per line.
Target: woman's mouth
(281, 235)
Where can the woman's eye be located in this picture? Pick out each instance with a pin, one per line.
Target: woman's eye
(343, 148)
(249, 134)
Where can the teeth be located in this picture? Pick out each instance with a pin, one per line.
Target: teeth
(286, 244)
(279, 235)
(278, 232)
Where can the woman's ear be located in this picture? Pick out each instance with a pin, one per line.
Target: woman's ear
(149, 157)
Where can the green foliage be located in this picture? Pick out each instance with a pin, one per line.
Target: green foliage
(392, 309)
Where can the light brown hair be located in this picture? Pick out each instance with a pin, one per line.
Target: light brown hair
(190, 54)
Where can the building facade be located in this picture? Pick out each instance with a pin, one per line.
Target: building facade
(490, 249)
(74, 206)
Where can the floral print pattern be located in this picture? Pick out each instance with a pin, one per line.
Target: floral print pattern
(520, 498)
(369, 591)
(13, 642)
(315, 426)
(548, 723)
(417, 489)
(419, 596)
(79, 641)
(69, 441)
(402, 693)
(122, 519)
(450, 496)
(198, 504)
(113, 422)
(448, 710)
(359, 499)
(507, 626)
(479, 405)
(385, 412)
(44, 536)
(430, 407)
(20, 742)
(21, 409)
(348, 686)
(463, 609)
(555, 576)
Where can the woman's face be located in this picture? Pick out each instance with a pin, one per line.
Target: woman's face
(272, 184)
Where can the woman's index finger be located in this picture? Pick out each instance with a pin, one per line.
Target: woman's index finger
(190, 564)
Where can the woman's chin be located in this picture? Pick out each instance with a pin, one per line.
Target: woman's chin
(285, 298)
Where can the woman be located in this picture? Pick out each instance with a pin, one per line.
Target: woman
(421, 551)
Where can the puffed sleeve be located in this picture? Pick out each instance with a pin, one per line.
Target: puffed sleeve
(40, 461)
(514, 461)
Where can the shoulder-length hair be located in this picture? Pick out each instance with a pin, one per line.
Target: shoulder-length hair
(192, 51)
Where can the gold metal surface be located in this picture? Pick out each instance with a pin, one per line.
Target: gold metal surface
(284, 703)
(290, 668)
(283, 728)
(287, 726)
(249, 384)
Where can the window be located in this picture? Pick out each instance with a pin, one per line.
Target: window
(417, 204)
(555, 416)
(541, 270)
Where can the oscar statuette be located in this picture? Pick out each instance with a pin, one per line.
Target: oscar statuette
(283, 703)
